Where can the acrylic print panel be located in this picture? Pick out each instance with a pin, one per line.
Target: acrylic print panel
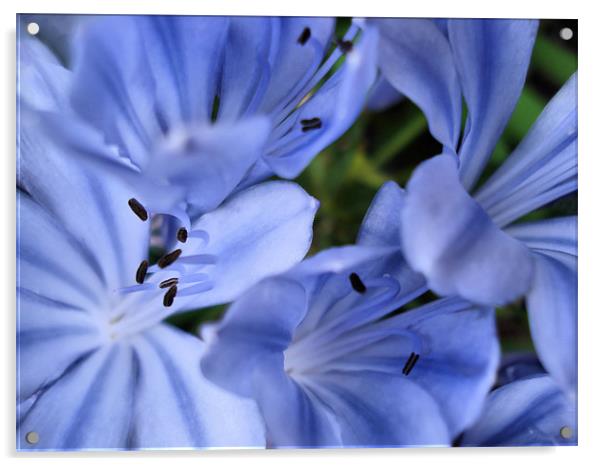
(247, 232)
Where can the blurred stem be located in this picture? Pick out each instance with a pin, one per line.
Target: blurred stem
(553, 60)
(501, 151)
(409, 131)
(366, 173)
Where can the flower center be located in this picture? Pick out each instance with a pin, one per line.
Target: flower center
(350, 325)
(177, 274)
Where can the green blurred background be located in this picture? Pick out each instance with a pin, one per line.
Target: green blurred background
(388, 145)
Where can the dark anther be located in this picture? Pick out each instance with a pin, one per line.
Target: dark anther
(346, 46)
(138, 209)
(410, 363)
(141, 272)
(304, 37)
(311, 123)
(169, 296)
(169, 259)
(356, 283)
(182, 235)
(168, 283)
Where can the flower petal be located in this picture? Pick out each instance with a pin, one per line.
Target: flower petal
(492, 57)
(552, 306)
(554, 237)
(51, 336)
(259, 324)
(246, 65)
(294, 63)
(544, 165)
(176, 406)
(52, 263)
(261, 231)
(381, 227)
(219, 158)
(184, 54)
(44, 83)
(337, 104)
(112, 87)
(382, 222)
(294, 416)
(396, 413)
(91, 206)
(528, 412)
(326, 277)
(149, 394)
(416, 58)
(448, 237)
(88, 407)
(458, 356)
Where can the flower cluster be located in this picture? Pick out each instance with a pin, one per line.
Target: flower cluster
(157, 159)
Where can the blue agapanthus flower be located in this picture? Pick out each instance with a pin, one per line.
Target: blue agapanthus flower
(195, 108)
(531, 411)
(464, 240)
(96, 367)
(318, 351)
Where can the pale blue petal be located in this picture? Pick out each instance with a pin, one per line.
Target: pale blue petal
(416, 58)
(448, 237)
(382, 222)
(338, 260)
(185, 55)
(43, 83)
(261, 231)
(52, 263)
(91, 206)
(81, 145)
(150, 75)
(492, 57)
(381, 410)
(176, 406)
(260, 323)
(112, 87)
(51, 335)
(295, 417)
(325, 276)
(147, 394)
(552, 306)
(337, 104)
(246, 65)
(554, 237)
(211, 161)
(293, 64)
(90, 406)
(528, 412)
(381, 227)
(542, 168)
(459, 355)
